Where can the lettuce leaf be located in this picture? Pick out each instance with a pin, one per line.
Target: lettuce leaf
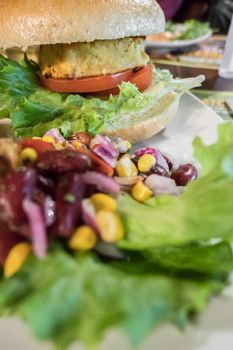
(211, 258)
(34, 109)
(202, 212)
(65, 299)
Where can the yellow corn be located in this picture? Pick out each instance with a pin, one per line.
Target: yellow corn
(141, 192)
(84, 238)
(36, 138)
(146, 162)
(103, 201)
(16, 257)
(49, 139)
(110, 226)
(59, 146)
(28, 154)
(77, 145)
(128, 145)
(126, 168)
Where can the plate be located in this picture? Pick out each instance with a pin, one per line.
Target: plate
(177, 44)
(214, 329)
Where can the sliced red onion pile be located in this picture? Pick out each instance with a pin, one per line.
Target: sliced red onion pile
(105, 149)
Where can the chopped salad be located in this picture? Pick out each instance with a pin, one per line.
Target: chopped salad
(53, 188)
(90, 229)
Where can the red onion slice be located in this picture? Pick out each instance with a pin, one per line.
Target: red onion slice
(105, 149)
(58, 137)
(126, 183)
(89, 214)
(163, 185)
(37, 227)
(103, 182)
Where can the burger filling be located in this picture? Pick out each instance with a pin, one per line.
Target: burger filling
(100, 57)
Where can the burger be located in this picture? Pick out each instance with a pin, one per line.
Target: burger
(92, 74)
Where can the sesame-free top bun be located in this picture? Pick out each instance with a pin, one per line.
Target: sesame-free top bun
(25, 23)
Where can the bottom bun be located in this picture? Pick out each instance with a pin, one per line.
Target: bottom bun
(141, 126)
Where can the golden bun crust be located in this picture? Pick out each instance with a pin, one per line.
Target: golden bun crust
(25, 23)
(151, 123)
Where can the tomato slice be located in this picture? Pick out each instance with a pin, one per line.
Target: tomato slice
(102, 85)
(97, 163)
(39, 145)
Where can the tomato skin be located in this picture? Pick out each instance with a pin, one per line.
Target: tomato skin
(97, 163)
(38, 145)
(101, 85)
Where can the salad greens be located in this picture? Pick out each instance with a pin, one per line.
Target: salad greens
(34, 110)
(64, 299)
(173, 266)
(190, 29)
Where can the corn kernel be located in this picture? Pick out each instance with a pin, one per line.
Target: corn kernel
(28, 154)
(128, 145)
(146, 162)
(110, 226)
(84, 238)
(36, 138)
(77, 145)
(103, 201)
(59, 146)
(49, 139)
(126, 168)
(141, 192)
(16, 257)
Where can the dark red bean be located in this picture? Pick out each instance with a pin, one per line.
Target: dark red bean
(69, 195)
(46, 184)
(184, 174)
(13, 189)
(63, 161)
(82, 137)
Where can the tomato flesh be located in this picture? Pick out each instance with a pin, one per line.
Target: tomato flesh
(101, 85)
(39, 146)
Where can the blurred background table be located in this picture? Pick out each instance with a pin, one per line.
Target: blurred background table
(213, 80)
(201, 59)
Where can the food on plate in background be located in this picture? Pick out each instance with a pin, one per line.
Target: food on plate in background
(117, 91)
(189, 30)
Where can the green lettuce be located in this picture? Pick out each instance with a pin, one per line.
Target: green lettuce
(208, 258)
(34, 109)
(65, 298)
